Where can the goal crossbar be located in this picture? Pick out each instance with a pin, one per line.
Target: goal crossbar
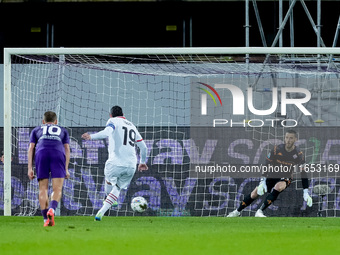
(169, 51)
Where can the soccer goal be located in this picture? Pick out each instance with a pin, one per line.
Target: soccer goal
(204, 113)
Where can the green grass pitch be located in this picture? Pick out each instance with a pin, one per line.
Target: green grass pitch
(168, 235)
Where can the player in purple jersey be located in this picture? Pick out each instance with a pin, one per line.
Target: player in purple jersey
(50, 148)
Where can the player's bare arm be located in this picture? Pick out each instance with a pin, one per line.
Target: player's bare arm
(67, 155)
(30, 171)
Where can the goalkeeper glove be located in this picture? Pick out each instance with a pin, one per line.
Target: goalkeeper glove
(262, 188)
(307, 197)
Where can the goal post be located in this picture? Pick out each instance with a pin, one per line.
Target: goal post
(172, 94)
(7, 133)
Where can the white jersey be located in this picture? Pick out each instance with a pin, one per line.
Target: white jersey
(123, 136)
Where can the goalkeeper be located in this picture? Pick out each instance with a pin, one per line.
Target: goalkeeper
(287, 155)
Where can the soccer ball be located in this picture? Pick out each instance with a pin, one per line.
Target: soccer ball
(139, 204)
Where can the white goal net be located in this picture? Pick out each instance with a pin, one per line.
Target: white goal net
(196, 109)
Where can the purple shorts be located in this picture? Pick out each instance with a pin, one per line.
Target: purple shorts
(50, 161)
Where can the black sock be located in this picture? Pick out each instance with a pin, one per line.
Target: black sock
(246, 201)
(270, 199)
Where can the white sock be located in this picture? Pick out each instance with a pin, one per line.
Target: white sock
(108, 188)
(111, 198)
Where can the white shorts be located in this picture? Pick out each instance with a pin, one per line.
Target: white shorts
(120, 175)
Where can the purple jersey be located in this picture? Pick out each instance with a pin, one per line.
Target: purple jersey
(49, 136)
(50, 151)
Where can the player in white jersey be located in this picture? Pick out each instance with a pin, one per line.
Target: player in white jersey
(121, 164)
